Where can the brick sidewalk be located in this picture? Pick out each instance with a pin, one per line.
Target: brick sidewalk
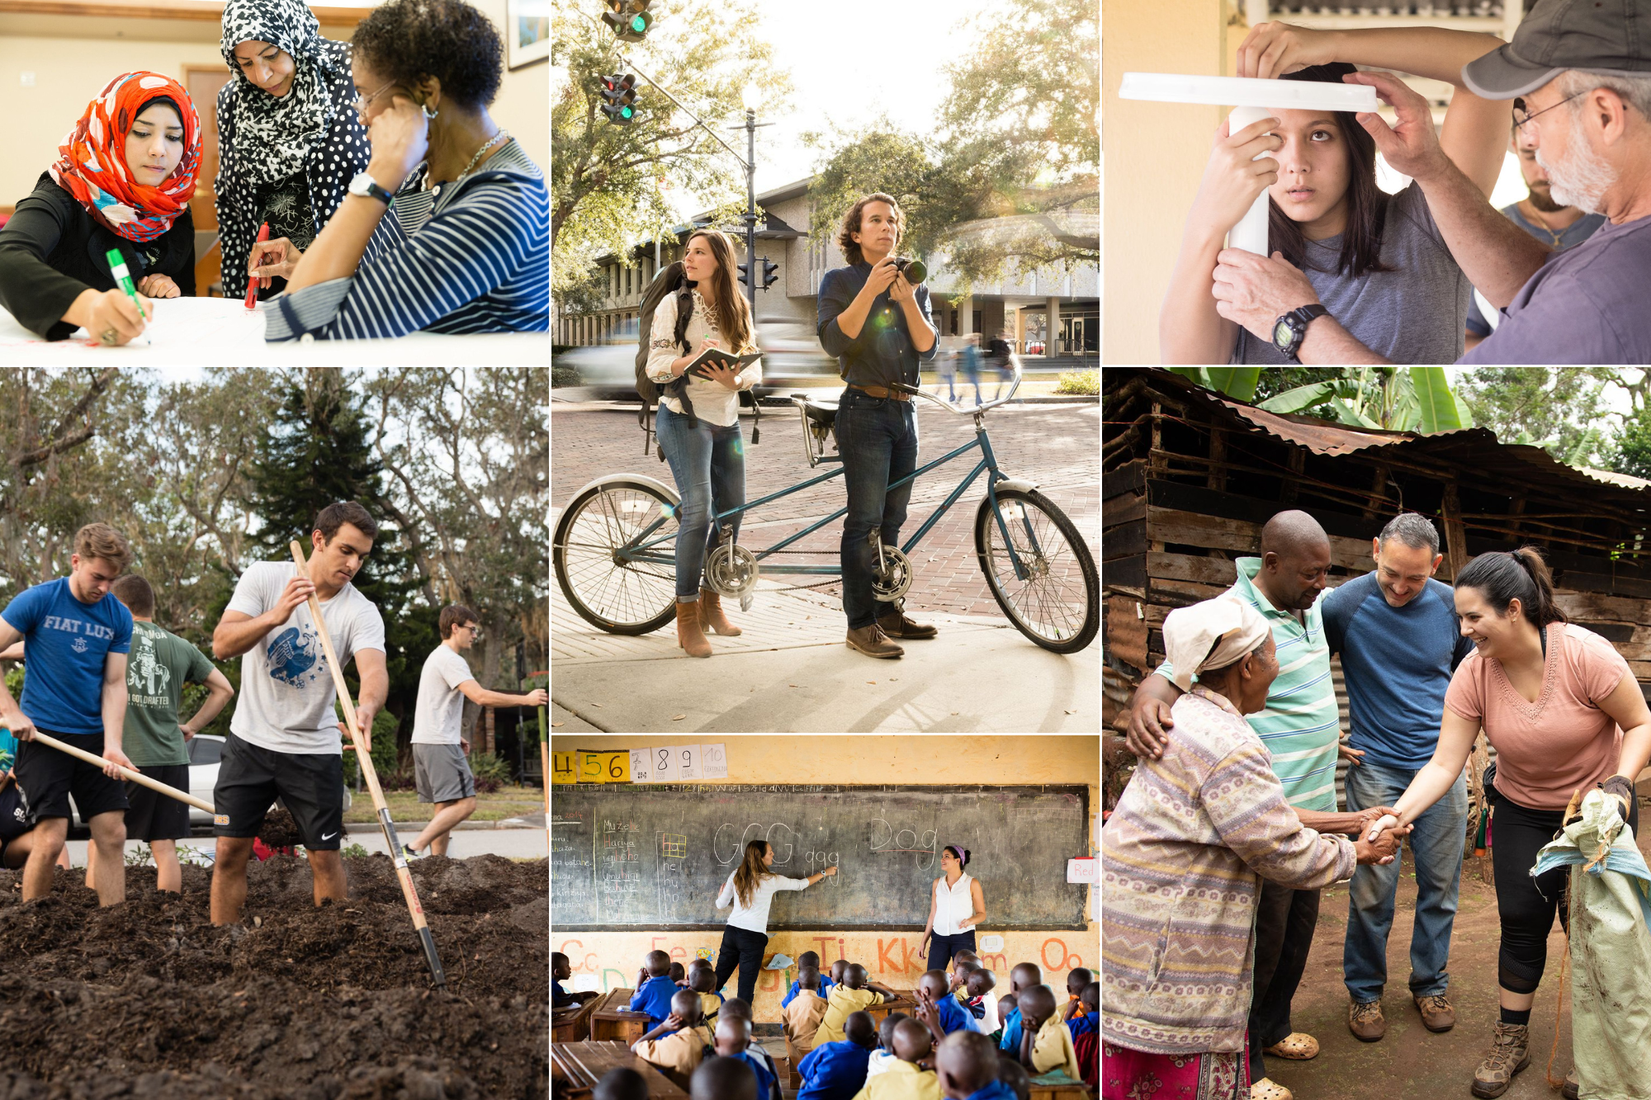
(1056, 446)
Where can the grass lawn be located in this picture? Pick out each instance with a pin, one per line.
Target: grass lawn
(405, 806)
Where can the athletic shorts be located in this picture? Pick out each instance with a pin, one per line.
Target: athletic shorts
(310, 785)
(442, 773)
(152, 816)
(49, 777)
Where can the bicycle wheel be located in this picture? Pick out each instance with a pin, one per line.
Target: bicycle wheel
(620, 597)
(1058, 603)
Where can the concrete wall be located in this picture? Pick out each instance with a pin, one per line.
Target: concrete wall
(605, 960)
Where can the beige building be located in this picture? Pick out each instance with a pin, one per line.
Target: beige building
(1050, 314)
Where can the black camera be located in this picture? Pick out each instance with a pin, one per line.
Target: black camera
(915, 271)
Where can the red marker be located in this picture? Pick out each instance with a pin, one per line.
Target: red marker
(253, 284)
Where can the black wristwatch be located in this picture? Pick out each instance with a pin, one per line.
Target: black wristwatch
(1291, 329)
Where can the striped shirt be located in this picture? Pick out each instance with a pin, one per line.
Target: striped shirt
(1182, 858)
(470, 256)
(1301, 724)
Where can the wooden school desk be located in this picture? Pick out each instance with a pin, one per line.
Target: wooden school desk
(612, 1019)
(572, 1026)
(581, 1065)
(905, 1001)
(1072, 1091)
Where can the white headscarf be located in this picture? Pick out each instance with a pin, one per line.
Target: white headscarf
(1189, 632)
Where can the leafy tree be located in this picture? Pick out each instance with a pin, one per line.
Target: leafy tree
(1412, 399)
(606, 179)
(1561, 410)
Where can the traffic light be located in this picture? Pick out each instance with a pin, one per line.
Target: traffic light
(770, 272)
(619, 91)
(629, 19)
(745, 274)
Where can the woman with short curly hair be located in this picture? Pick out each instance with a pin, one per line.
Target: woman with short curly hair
(467, 247)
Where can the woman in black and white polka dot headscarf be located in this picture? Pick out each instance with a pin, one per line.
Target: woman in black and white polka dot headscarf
(289, 140)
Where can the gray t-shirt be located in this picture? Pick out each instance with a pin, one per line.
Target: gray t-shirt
(287, 691)
(1585, 305)
(440, 703)
(1569, 237)
(1412, 314)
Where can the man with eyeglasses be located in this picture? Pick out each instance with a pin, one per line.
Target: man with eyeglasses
(441, 763)
(1581, 86)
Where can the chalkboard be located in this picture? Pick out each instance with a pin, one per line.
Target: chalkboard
(655, 856)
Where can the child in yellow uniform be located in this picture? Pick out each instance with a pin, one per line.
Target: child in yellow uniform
(967, 1065)
(854, 995)
(910, 1078)
(1046, 1042)
(806, 1010)
(678, 1045)
(703, 981)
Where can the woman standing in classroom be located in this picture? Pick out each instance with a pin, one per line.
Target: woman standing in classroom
(956, 905)
(750, 890)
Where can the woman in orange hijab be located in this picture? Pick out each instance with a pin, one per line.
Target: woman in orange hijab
(122, 180)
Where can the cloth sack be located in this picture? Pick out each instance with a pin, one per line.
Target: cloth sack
(1610, 950)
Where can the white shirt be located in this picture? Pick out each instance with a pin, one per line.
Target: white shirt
(754, 917)
(440, 708)
(952, 905)
(713, 402)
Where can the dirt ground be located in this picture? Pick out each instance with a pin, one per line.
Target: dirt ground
(148, 999)
(1411, 1061)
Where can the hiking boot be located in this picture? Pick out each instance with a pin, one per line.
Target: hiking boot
(1437, 1015)
(871, 641)
(1573, 1085)
(895, 624)
(689, 636)
(1365, 1021)
(711, 616)
(1509, 1053)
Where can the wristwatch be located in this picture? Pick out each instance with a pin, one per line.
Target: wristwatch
(368, 188)
(1289, 330)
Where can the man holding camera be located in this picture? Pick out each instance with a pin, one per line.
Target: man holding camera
(876, 323)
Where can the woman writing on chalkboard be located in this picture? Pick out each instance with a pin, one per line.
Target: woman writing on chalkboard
(956, 905)
(750, 890)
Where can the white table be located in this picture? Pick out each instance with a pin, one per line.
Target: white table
(214, 331)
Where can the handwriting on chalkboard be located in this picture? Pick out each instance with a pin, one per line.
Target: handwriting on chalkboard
(727, 849)
(886, 838)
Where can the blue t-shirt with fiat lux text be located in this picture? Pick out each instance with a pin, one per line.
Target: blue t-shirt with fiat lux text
(66, 642)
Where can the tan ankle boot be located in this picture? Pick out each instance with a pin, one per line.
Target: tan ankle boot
(711, 616)
(689, 636)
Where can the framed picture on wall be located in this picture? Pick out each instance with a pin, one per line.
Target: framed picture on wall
(527, 34)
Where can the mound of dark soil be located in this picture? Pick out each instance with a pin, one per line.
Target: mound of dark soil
(148, 999)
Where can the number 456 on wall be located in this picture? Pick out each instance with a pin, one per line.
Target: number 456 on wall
(591, 767)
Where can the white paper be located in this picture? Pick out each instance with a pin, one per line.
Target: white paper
(713, 761)
(991, 943)
(663, 764)
(687, 762)
(1081, 870)
(641, 765)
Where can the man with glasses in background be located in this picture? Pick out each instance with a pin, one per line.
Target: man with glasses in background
(1581, 91)
(441, 752)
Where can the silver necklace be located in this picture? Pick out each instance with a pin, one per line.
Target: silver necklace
(492, 141)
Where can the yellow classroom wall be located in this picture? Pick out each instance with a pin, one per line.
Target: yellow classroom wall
(606, 960)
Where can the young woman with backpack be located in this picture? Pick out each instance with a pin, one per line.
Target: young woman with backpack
(698, 421)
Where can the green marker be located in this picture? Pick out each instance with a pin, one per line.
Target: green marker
(117, 268)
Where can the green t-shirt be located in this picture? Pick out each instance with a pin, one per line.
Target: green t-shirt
(159, 665)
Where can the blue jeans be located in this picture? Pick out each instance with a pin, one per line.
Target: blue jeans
(708, 463)
(1436, 846)
(877, 437)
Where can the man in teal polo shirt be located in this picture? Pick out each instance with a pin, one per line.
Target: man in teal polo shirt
(1301, 727)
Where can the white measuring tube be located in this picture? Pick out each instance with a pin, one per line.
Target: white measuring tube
(1252, 100)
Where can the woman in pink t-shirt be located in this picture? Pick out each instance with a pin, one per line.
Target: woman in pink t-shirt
(1565, 714)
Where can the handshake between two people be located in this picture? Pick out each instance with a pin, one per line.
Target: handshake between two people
(1378, 835)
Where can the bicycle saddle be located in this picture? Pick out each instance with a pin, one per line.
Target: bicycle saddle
(822, 411)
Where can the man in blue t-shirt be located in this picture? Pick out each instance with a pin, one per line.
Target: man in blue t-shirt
(1400, 640)
(77, 636)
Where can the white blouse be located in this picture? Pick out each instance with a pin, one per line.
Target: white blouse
(952, 906)
(713, 401)
(754, 917)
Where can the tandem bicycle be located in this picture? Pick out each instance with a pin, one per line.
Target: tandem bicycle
(614, 545)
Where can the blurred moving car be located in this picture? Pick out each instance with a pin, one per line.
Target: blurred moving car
(791, 356)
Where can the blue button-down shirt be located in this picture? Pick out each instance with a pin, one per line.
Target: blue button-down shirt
(833, 1071)
(655, 999)
(883, 352)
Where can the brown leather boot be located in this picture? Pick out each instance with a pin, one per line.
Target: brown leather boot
(895, 624)
(1509, 1053)
(689, 636)
(871, 641)
(711, 616)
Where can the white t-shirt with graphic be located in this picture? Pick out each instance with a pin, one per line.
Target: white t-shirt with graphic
(440, 703)
(287, 694)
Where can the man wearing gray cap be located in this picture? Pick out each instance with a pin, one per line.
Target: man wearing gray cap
(1581, 86)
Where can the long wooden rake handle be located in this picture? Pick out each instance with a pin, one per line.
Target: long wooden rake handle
(127, 773)
(367, 770)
